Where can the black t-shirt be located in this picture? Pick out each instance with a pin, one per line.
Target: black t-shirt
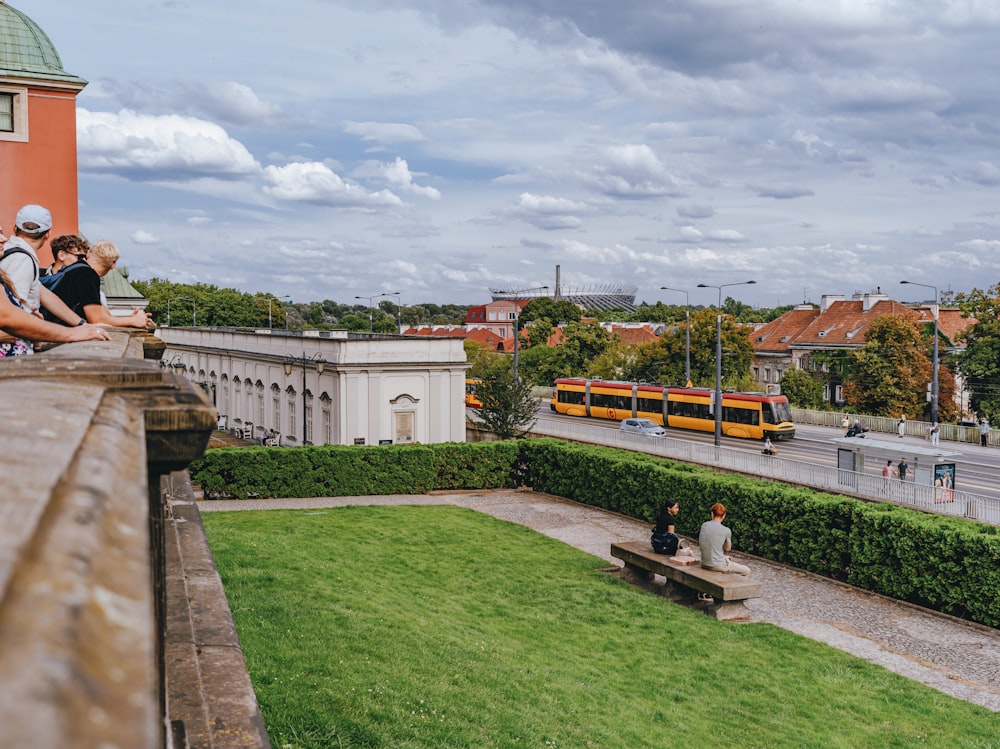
(78, 287)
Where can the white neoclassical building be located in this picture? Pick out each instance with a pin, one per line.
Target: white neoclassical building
(327, 387)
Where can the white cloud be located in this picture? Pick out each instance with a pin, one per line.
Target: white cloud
(385, 132)
(397, 175)
(317, 183)
(144, 237)
(167, 147)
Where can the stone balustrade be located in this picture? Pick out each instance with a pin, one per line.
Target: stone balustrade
(114, 631)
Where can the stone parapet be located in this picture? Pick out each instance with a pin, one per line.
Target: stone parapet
(90, 430)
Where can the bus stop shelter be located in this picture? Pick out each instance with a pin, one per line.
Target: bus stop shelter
(929, 465)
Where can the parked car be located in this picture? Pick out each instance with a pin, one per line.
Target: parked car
(643, 426)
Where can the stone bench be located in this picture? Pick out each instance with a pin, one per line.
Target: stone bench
(684, 582)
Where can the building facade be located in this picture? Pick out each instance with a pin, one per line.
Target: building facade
(37, 126)
(327, 387)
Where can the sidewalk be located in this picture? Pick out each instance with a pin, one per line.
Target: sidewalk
(952, 656)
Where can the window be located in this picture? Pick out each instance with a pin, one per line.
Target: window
(276, 409)
(14, 114)
(6, 112)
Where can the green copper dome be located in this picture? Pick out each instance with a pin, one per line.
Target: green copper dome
(26, 51)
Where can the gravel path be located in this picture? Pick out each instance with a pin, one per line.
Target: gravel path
(952, 656)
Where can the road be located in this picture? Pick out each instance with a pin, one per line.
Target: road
(977, 469)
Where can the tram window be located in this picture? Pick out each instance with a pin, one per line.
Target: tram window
(650, 405)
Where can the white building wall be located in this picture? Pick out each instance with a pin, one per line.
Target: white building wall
(375, 387)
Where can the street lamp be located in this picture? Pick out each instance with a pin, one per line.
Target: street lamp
(687, 325)
(517, 313)
(934, 363)
(289, 364)
(194, 309)
(270, 300)
(371, 319)
(718, 355)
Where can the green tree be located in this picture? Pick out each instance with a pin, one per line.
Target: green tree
(554, 311)
(803, 389)
(889, 373)
(509, 409)
(979, 363)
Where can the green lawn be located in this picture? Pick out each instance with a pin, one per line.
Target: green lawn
(441, 627)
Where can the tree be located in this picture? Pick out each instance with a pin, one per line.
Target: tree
(509, 409)
(803, 389)
(550, 309)
(980, 361)
(890, 372)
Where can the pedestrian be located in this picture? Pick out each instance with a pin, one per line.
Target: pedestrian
(715, 540)
(903, 469)
(984, 432)
(887, 470)
(935, 433)
(901, 426)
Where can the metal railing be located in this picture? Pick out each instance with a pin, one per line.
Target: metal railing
(754, 463)
(889, 425)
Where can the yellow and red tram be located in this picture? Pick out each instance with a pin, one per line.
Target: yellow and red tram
(747, 415)
(471, 393)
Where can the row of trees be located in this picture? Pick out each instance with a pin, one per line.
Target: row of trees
(887, 376)
(223, 307)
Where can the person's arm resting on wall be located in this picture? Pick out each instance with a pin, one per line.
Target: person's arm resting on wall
(98, 314)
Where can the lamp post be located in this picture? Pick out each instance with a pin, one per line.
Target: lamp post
(371, 319)
(718, 355)
(399, 311)
(934, 363)
(270, 319)
(289, 364)
(687, 326)
(517, 312)
(194, 309)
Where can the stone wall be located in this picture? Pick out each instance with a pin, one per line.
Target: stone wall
(89, 616)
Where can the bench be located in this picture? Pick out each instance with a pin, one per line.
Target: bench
(683, 582)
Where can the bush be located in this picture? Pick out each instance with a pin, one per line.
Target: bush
(947, 564)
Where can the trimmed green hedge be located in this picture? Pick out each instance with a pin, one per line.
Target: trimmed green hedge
(947, 564)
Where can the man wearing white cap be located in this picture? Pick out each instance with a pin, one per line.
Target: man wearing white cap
(20, 262)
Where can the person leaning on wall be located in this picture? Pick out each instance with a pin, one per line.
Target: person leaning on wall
(80, 288)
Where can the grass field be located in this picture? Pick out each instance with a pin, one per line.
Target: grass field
(440, 627)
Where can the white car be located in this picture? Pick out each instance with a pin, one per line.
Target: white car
(643, 426)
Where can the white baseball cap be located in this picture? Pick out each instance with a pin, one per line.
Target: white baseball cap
(33, 219)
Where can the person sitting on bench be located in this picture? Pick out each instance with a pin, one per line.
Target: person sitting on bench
(715, 540)
(664, 540)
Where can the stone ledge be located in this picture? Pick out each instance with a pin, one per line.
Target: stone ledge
(208, 688)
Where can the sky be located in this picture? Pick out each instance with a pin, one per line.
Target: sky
(328, 149)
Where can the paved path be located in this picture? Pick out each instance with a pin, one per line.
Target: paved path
(955, 657)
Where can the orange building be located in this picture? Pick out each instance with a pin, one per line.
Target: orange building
(37, 127)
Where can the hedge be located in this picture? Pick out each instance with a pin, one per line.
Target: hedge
(947, 564)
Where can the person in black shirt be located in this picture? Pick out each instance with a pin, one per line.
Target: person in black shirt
(79, 286)
(664, 540)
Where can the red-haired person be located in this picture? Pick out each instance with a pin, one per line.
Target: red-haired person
(715, 540)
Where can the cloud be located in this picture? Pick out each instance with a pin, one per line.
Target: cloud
(144, 237)
(162, 148)
(397, 175)
(781, 192)
(225, 101)
(384, 132)
(313, 182)
(694, 210)
(632, 171)
(546, 212)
